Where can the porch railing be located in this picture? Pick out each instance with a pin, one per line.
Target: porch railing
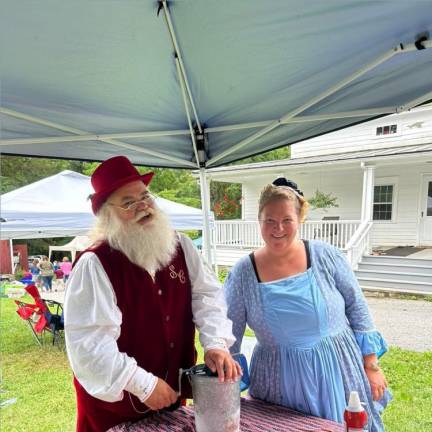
(246, 234)
(359, 244)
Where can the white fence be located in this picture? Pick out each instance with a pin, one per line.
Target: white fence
(246, 234)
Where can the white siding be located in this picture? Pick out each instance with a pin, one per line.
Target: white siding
(345, 185)
(414, 127)
(403, 230)
(251, 191)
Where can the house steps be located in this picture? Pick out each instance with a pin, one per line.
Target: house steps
(395, 274)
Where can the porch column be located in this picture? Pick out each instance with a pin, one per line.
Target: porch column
(368, 191)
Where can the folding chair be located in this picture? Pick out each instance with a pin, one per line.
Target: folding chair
(41, 318)
(34, 317)
(55, 321)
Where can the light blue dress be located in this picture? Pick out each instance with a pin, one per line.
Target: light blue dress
(312, 331)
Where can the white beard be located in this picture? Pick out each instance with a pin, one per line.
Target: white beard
(150, 246)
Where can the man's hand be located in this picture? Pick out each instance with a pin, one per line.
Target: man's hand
(221, 361)
(162, 396)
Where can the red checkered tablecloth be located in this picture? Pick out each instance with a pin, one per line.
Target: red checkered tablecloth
(256, 416)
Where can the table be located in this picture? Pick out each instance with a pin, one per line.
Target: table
(256, 416)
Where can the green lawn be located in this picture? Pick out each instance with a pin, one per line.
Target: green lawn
(41, 381)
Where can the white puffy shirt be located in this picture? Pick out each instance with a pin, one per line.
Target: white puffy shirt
(93, 319)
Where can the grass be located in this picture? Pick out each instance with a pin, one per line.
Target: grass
(410, 378)
(41, 381)
(39, 377)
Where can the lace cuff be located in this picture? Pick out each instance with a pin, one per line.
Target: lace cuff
(216, 343)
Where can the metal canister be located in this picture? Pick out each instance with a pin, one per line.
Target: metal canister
(216, 404)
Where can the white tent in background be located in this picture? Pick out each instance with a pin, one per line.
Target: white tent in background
(57, 206)
(78, 244)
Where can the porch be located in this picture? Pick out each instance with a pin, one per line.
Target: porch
(234, 238)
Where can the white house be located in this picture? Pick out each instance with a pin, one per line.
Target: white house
(379, 171)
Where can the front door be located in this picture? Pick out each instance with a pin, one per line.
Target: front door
(426, 212)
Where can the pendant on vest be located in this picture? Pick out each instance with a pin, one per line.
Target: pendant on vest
(180, 274)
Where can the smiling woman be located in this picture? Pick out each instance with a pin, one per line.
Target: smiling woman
(298, 297)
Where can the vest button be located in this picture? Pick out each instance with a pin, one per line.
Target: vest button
(160, 292)
(167, 318)
(171, 345)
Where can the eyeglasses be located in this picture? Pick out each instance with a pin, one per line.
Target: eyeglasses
(273, 223)
(133, 205)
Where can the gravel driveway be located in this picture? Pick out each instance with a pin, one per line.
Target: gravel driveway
(403, 323)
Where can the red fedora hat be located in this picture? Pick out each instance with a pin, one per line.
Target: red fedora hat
(111, 175)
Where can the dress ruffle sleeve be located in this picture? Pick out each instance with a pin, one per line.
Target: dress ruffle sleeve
(371, 342)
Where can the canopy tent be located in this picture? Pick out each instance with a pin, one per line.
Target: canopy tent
(78, 244)
(57, 206)
(196, 84)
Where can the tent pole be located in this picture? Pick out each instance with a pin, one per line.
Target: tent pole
(11, 256)
(191, 130)
(308, 118)
(418, 101)
(180, 61)
(205, 206)
(91, 137)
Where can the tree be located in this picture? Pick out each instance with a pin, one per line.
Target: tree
(226, 197)
(225, 200)
(174, 184)
(17, 171)
(278, 154)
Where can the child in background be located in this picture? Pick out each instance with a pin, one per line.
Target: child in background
(35, 271)
(66, 268)
(59, 283)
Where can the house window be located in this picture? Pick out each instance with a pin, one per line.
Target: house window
(383, 203)
(386, 130)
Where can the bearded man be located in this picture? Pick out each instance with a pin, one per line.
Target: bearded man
(132, 302)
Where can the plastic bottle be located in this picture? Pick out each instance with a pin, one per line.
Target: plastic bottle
(355, 416)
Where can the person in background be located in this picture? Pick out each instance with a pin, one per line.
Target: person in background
(315, 337)
(66, 268)
(47, 273)
(132, 303)
(56, 265)
(34, 269)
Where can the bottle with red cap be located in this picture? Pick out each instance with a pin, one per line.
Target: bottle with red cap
(355, 416)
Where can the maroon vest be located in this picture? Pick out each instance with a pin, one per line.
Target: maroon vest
(157, 330)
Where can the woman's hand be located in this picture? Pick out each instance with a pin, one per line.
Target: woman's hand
(221, 361)
(377, 382)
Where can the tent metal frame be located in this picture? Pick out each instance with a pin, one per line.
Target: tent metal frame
(80, 133)
(194, 128)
